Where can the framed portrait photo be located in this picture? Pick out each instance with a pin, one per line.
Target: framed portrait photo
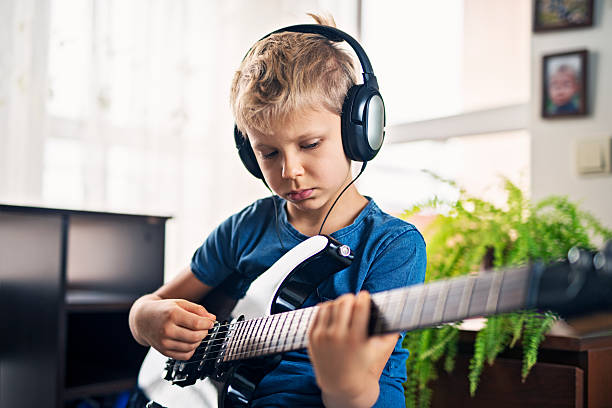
(551, 15)
(564, 84)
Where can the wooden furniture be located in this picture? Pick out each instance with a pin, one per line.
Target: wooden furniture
(571, 371)
(68, 279)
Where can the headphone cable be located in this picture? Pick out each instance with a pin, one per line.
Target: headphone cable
(340, 195)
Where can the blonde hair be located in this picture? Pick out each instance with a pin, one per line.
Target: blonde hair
(287, 72)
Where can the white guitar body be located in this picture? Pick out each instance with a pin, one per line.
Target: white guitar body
(256, 303)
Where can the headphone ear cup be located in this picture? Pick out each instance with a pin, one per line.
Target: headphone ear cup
(247, 156)
(363, 123)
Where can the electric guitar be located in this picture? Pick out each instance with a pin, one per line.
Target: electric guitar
(239, 353)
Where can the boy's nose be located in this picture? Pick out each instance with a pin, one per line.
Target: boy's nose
(292, 167)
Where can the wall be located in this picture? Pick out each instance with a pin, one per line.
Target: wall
(553, 142)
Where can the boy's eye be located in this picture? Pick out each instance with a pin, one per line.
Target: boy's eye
(311, 145)
(268, 156)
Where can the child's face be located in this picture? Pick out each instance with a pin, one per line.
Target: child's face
(303, 161)
(562, 87)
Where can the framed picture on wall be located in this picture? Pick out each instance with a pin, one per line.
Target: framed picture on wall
(564, 84)
(562, 14)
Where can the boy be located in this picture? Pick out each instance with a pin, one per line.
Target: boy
(563, 90)
(287, 98)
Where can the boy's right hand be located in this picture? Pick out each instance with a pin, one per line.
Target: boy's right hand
(174, 327)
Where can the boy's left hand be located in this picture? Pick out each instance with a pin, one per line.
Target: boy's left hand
(348, 363)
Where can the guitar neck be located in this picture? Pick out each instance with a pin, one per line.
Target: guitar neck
(409, 308)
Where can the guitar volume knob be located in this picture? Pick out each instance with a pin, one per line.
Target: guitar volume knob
(344, 250)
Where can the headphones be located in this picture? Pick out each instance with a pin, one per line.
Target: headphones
(363, 110)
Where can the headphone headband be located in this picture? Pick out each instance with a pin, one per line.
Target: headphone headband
(333, 34)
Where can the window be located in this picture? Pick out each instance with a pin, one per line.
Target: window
(439, 58)
(455, 79)
(400, 176)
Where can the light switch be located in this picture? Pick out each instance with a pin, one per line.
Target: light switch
(593, 156)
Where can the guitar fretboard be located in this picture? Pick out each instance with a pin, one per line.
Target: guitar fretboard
(407, 308)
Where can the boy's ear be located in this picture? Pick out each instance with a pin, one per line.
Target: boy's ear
(247, 156)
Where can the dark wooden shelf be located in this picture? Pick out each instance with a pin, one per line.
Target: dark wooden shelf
(91, 301)
(562, 336)
(160, 218)
(573, 370)
(73, 276)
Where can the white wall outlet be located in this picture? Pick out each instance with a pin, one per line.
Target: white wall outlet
(593, 156)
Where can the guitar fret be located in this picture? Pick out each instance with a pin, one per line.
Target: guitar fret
(378, 309)
(248, 342)
(441, 302)
(290, 330)
(513, 290)
(230, 343)
(408, 308)
(245, 333)
(293, 329)
(271, 331)
(279, 331)
(304, 330)
(429, 306)
(246, 346)
(392, 299)
(298, 327)
(416, 315)
(239, 333)
(467, 296)
(260, 347)
(494, 291)
(277, 348)
(257, 339)
(311, 314)
(287, 331)
(270, 335)
(237, 339)
(398, 312)
(389, 301)
(240, 329)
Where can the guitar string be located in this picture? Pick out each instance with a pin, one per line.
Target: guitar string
(265, 323)
(297, 330)
(265, 320)
(256, 324)
(258, 328)
(268, 321)
(271, 349)
(258, 351)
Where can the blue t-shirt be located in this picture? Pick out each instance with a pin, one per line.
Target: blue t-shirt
(389, 253)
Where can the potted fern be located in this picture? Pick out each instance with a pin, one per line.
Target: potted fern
(471, 232)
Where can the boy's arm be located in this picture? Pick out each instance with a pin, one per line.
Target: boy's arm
(169, 320)
(346, 362)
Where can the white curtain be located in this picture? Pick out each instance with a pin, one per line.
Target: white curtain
(23, 82)
(123, 106)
